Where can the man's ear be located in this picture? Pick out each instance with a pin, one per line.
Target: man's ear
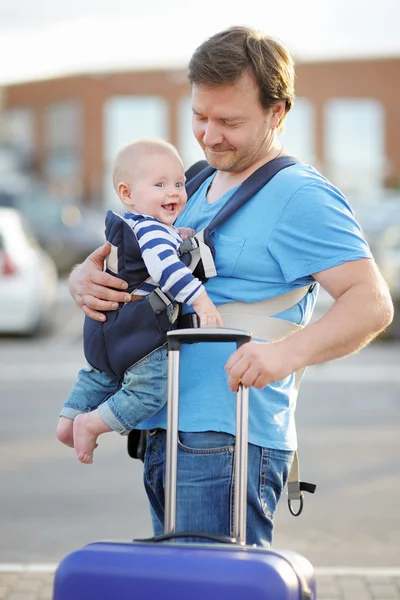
(277, 112)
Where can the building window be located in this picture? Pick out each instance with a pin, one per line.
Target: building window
(18, 138)
(355, 144)
(298, 135)
(126, 119)
(63, 147)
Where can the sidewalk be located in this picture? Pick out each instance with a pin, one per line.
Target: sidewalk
(29, 585)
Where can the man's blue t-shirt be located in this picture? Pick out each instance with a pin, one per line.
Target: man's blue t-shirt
(297, 225)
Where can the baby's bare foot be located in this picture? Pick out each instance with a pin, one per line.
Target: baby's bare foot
(65, 431)
(87, 428)
(84, 438)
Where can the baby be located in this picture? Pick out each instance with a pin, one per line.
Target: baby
(150, 181)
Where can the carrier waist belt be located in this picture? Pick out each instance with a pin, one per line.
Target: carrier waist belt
(256, 316)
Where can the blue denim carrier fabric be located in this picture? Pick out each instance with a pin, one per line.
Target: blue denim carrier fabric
(206, 480)
(122, 406)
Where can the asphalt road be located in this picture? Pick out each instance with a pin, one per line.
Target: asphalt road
(348, 422)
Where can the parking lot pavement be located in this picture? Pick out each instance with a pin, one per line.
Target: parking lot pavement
(37, 584)
(26, 585)
(358, 587)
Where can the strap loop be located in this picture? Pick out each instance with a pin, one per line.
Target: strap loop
(300, 510)
(295, 492)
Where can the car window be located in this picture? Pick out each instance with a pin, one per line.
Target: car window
(42, 210)
(7, 199)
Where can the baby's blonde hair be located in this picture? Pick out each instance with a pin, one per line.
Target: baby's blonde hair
(124, 163)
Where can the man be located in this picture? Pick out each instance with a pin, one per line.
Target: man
(296, 232)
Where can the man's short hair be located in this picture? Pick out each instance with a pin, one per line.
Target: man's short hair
(227, 55)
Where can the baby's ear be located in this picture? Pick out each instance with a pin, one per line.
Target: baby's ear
(124, 192)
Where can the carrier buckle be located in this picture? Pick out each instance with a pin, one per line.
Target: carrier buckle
(188, 245)
(158, 301)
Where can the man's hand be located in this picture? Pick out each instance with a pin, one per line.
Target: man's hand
(93, 290)
(362, 309)
(256, 364)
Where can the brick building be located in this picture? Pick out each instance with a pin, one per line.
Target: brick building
(346, 121)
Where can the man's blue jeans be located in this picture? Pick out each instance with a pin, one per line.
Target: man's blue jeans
(205, 484)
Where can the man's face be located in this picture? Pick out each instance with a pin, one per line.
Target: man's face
(230, 125)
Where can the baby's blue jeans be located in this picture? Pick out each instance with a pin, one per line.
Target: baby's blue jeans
(121, 405)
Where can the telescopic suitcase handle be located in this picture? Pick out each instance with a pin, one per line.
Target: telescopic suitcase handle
(190, 336)
(206, 334)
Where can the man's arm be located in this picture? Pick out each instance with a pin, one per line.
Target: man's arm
(92, 288)
(362, 309)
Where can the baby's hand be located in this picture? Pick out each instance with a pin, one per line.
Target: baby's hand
(207, 311)
(211, 318)
(186, 232)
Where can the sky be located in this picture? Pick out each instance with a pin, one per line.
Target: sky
(47, 38)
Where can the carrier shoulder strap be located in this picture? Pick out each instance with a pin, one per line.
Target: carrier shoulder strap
(201, 246)
(245, 191)
(249, 188)
(193, 182)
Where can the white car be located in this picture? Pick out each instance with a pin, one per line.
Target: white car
(28, 278)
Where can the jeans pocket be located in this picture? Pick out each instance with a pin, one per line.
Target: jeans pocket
(206, 442)
(274, 472)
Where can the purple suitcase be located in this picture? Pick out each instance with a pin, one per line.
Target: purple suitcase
(176, 571)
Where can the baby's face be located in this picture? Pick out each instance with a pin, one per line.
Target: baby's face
(158, 186)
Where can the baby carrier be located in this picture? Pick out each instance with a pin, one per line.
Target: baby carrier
(136, 328)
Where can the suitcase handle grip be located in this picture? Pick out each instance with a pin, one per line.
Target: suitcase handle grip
(166, 537)
(206, 334)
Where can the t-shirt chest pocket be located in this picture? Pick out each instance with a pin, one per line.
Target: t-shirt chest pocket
(227, 252)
